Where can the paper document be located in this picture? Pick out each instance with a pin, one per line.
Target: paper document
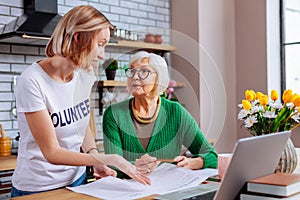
(164, 179)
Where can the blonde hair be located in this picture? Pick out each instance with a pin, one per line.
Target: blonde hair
(159, 64)
(86, 22)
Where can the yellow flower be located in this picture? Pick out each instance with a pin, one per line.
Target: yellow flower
(263, 100)
(254, 94)
(270, 117)
(258, 95)
(250, 95)
(274, 95)
(297, 101)
(287, 95)
(294, 97)
(246, 104)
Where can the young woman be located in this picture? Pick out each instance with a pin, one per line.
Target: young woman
(52, 98)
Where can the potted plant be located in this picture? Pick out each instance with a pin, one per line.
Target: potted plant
(169, 91)
(110, 66)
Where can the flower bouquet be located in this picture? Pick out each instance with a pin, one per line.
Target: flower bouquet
(263, 115)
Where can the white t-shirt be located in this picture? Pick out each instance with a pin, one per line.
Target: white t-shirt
(68, 106)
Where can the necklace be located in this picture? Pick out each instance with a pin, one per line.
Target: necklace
(145, 121)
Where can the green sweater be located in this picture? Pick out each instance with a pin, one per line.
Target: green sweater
(173, 128)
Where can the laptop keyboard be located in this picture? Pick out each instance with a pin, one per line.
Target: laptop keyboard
(207, 196)
(200, 192)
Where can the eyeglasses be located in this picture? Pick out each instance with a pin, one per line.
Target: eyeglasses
(142, 73)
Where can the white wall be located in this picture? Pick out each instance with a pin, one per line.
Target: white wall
(234, 55)
(185, 61)
(203, 31)
(251, 49)
(218, 71)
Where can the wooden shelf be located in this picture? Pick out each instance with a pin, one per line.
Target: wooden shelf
(141, 45)
(179, 84)
(109, 83)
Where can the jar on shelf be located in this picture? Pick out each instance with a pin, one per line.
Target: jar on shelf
(5, 144)
(158, 39)
(149, 38)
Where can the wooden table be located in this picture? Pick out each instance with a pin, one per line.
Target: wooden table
(60, 194)
(63, 194)
(8, 163)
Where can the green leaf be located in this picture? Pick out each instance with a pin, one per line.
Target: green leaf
(280, 117)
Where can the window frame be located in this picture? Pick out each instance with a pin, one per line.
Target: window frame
(283, 44)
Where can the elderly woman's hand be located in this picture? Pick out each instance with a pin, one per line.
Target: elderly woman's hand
(123, 165)
(190, 163)
(146, 164)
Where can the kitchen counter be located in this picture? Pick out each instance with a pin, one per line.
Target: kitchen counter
(7, 167)
(8, 163)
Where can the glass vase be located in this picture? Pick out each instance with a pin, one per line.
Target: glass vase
(288, 160)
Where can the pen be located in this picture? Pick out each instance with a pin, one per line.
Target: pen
(167, 160)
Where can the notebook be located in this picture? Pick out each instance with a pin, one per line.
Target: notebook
(252, 157)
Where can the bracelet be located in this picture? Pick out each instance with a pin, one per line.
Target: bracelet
(93, 149)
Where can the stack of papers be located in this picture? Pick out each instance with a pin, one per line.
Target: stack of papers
(164, 179)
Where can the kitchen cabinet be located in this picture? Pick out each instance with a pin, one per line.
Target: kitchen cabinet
(5, 184)
(7, 166)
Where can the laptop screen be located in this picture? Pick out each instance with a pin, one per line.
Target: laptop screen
(252, 157)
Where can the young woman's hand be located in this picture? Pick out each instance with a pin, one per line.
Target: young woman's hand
(123, 165)
(146, 164)
(102, 171)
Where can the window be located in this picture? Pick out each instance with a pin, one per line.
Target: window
(290, 30)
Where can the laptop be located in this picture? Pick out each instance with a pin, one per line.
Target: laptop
(252, 157)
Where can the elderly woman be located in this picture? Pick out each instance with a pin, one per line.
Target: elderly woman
(147, 129)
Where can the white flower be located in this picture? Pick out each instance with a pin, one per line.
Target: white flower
(250, 121)
(256, 109)
(270, 114)
(296, 117)
(242, 114)
(254, 102)
(289, 105)
(276, 105)
(240, 105)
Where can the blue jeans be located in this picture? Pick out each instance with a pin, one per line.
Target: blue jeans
(15, 192)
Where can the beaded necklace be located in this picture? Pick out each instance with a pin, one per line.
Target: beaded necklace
(143, 120)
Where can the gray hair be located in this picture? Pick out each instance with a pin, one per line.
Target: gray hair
(159, 64)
